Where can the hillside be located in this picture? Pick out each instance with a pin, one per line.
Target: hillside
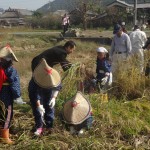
(72, 4)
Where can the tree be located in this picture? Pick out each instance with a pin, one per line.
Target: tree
(37, 14)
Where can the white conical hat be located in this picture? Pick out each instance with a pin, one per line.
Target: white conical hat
(45, 76)
(7, 53)
(76, 110)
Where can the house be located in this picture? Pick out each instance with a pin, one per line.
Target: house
(60, 12)
(14, 17)
(1, 10)
(118, 7)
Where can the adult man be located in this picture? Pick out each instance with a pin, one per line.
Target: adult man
(138, 39)
(43, 99)
(120, 48)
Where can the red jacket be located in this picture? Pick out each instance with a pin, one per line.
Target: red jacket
(3, 77)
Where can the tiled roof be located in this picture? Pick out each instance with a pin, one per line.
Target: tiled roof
(124, 4)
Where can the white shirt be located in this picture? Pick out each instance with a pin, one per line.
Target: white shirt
(65, 20)
(138, 39)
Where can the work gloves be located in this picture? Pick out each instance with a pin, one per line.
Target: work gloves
(110, 79)
(41, 110)
(53, 99)
(104, 80)
(52, 102)
(19, 100)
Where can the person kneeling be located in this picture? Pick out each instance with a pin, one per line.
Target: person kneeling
(77, 114)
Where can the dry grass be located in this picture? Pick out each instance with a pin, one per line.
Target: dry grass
(119, 124)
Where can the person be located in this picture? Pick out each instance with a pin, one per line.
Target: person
(120, 48)
(147, 44)
(65, 23)
(9, 90)
(123, 27)
(77, 114)
(147, 69)
(103, 69)
(138, 39)
(42, 98)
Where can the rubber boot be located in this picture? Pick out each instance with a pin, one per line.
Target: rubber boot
(4, 135)
(104, 98)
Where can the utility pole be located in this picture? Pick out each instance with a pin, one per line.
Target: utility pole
(84, 16)
(135, 12)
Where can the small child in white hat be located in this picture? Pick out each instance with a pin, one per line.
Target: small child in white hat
(103, 68)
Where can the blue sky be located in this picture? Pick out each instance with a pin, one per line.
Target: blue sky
(27, 4)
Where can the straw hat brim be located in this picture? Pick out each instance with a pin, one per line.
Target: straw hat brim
(45, 76)
(7, 52)
(78, 114)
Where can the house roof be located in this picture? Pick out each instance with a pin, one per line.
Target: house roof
(25, 12)
(146, 5)
(60, 12)
(124, 4)
(119, 3)
(11, 13)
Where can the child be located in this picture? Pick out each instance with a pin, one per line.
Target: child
(9, 90)
(43, 90)
(103, 68)
(77, 114)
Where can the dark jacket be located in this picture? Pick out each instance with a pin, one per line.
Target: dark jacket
(102, 68)
(53, 56)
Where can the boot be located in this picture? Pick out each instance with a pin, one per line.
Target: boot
(4, 135)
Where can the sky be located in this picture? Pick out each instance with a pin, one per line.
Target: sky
(25, 4)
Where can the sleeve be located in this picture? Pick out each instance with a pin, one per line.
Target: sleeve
(128, 44)
(112, 47)
(144, 37)
(14, 80)
(65, 64)
(107, 68)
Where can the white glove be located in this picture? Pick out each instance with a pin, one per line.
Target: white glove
(94, 81)
(41, 110)
(54, 95)
(52, 102)
(19, 100)
(104, 80)
(110, 79)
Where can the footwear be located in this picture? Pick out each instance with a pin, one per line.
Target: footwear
(38, 132)
(4, 135)
(72, 130)
(81, 132)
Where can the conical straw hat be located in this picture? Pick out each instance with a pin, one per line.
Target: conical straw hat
(76, 110)
(45, 76)
(7, 53)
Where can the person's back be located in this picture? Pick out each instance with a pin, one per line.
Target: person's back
(52, 56)
(138, 39)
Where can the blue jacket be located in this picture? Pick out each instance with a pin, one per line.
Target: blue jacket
(12, 91)
(103, 67)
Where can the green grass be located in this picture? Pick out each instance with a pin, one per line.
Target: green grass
(117, 124)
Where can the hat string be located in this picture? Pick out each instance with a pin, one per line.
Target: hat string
(74, 104)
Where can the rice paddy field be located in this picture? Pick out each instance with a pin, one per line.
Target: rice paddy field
(121, 124)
